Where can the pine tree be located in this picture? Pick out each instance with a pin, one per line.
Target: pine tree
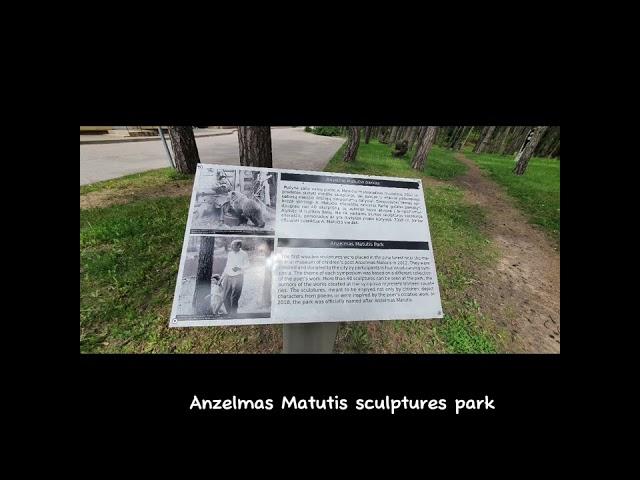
(424, 147)
(527, 149)
(185, 149)
(255, 146)
(353, 143)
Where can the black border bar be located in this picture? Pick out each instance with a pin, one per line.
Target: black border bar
(343, 180)
(334, 243)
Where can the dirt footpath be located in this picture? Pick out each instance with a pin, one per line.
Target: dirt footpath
(523, 293)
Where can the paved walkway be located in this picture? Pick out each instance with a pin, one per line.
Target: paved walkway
(116, 138)
(292, 148)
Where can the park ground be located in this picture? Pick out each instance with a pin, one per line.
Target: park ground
(496, 240)
(291, 147)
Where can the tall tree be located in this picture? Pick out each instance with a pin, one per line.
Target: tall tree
(416, 135)
(554, 146)
(393, 135)
(419, 136)
(462, 134)
(353, 143)
(185, 150)
(455, 138)
(503, 141)
(424, 147)
(494, 142)
(518, 139)
(203, 276)
(465, 139)
(442, 134)
(266, 284)
(451, 133)
(547, 143)
(408, 134)
(367, 134)
(480, 137)
(527, 149)
(485, 140)
(255, 146)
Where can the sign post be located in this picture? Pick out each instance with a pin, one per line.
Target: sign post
(161, 133)
(309, 337)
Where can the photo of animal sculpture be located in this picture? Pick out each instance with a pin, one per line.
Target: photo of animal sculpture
(232, 200)
(246, 209)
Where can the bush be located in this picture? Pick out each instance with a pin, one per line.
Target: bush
(327, 131)
(308, 129)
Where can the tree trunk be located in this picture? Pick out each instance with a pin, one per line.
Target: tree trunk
(185, 150)
(527, 149)
(367, 134)
(424, 148)
(255, 146)
(419, 136)
(441, 134)
(408, 134)
(483, 143)
(387, 135)
(455, 137)
(554, 146)
(451, 134)
(203, 277)
(518, 140)
(548, 143)
(466, 139)
(492, 142)
(353, 143)
(480, 138)
(266, 284)
(503, 142)
(416, 135)
(393, 135)
(542, 144)
(459, 138)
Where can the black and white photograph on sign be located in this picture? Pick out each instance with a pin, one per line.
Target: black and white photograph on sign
(230, 200)
(225, 277)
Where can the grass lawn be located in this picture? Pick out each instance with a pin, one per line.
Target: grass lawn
(137, 181)
(130, 250)
(459, 247)
(537, 191)
(375, 159)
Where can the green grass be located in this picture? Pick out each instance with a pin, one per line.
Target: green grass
(142, 180)
(537, 191)
(129, 255)
(129, 258)
(460, 248)
(375, 159)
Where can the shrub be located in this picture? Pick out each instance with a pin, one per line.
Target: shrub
(327, 131)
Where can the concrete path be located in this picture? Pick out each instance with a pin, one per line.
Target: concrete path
(120, 137)
(292, 148)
